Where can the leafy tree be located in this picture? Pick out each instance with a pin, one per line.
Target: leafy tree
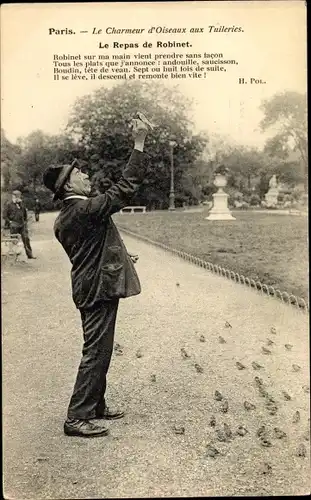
(287, 113)
(100, 123)
(196, 179)
(246, 165)
(38, 151)
(9, 159)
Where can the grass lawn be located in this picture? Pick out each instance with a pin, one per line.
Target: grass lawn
(268, 247)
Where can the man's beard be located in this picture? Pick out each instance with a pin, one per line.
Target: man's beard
(82, 190)
(85, 191)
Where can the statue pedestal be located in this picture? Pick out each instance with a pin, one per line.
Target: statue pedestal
(220, 210)
(271, 197)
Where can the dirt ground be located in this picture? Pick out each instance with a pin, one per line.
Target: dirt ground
(143, 456)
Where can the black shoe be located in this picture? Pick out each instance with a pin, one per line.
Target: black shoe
(31, 257)
(84, 428)
(109, 414)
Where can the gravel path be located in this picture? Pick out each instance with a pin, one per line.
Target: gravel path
(162, 388)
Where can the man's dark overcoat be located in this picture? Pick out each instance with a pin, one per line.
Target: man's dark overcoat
(16, 214)
(101, 267)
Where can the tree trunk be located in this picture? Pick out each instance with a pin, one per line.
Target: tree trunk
(305, 181)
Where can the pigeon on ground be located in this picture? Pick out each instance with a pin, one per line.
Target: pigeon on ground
(286, 396)
(184, 353)
(301, 451)
(265, 442)
(139, 354)
(241, 431)
(118, 349)
(179, 429)
(262, 391)
(249, 406)
(227, 325)
(221, 340)
(266, 469)
(224, 406)
(261, 431)
(259, 381)
(211, 451)
(306, 435)
(270, 398)
(202, 338)
(256, 366)
(212, 422)
(265, 350)
(288, 347)
(270, 342)
(273, 330)
(279, 433)
(177, 284)
(153, 378)
(269, 403)
(296, 417)
(272, 408)
(306, 389)
(221, 436)
(218, 396)
(198, 368)
(296, 368)
(240, 366)
(227, 430)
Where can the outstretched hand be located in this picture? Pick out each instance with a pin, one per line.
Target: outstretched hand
(139, 129)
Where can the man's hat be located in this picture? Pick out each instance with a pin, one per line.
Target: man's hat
(54, 178)
(16, 192)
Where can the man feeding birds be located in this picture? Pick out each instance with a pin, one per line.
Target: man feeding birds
(102, 272)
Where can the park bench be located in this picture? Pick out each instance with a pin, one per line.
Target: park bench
(133, 210)
(11, 246)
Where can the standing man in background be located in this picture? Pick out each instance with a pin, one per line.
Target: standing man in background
(15, 215)
(102, 272)
(37, 209)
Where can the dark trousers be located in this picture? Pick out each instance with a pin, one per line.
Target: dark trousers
(98, 332)
(37, 216)
(23, 231)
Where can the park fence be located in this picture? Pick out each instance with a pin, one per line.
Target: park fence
(267, 290)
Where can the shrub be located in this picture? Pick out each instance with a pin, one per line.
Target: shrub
(297, 193)
(231, 201)
(281, 197)
(208, 190)
(222, 170)
(238, 195)
(254, 200)
(233, 196)
(245, 205)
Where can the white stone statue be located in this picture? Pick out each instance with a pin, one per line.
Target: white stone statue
(273, 182)
(271, 196)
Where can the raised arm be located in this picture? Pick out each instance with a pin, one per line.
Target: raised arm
(120, 194)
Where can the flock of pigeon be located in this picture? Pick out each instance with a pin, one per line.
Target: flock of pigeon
(226, 434)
